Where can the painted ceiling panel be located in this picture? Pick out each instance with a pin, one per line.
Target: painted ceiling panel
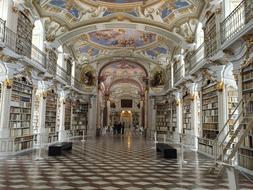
(168, 8)
(123, 68)
(66, 5)
(156, 52)
(122, 38)
(89, 51)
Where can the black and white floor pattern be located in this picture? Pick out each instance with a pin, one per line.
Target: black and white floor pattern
(111, 163)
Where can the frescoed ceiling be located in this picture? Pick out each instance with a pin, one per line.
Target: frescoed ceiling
(94, 30)
(123, 72)
(118, 38)
(123, 68)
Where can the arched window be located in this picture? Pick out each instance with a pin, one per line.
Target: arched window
(199, 35)
(38, 35)
(230, 5)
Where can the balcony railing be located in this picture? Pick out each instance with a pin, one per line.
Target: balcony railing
(9, 39)
(197, 57)
(236, 21)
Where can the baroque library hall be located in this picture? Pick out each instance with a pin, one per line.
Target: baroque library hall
(126, 94)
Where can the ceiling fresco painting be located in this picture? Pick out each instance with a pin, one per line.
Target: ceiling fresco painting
(150, 32)
(157, 52)
(122, 38)
(89, 51)
(66, 5)
(171, 6)
(123, 69)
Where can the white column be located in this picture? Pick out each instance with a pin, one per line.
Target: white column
(194, 113)
(108, 104)
(42, 116)
(222, 100)
(92, 116)
(141, 113)
(151, 116)
(62, 117)
(179, 128)
(5, 109)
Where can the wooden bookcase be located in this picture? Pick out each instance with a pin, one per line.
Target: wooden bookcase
(163, 115)
(52, 58)
(210, 36)
(36, 114)
(80, 117)
(186, 112)
(174, 116)
(50, 117)
(210, 111)
(20, 114)
(68, 110)
(245, 156)
(24, 35)
(166, 118)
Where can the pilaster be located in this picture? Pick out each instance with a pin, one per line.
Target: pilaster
(179, 128)
(5, 108)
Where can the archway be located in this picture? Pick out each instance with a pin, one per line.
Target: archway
(122, 88)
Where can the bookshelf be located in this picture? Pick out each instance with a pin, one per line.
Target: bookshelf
(210, 111)
(162, 119)
(80, 117)
(52, 57)
(36, 114)
(174, 116)
(20, 113)
(50, 117)
(210, 36)
(166, 118)
(24, 35)
(68, 110)
(186, 112)
(245, 154)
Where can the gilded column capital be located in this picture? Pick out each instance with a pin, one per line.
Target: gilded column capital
(8, 83)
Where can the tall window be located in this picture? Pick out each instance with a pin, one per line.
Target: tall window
(230, 5)
(38, 35)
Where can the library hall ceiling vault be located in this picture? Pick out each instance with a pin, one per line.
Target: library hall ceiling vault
(99, 31)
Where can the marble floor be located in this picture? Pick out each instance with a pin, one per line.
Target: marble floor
(112, 163)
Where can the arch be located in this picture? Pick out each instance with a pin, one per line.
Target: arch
(112, 62)
(126, 80)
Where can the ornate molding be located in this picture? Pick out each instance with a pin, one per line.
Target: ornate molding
(8, 83)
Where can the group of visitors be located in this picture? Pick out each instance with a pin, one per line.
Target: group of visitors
(119, 128)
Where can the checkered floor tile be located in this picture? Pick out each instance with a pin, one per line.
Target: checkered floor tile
(112, 163)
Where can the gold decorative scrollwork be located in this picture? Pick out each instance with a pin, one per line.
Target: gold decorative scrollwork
(178, 102)
(8, 83)
(220, 86)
